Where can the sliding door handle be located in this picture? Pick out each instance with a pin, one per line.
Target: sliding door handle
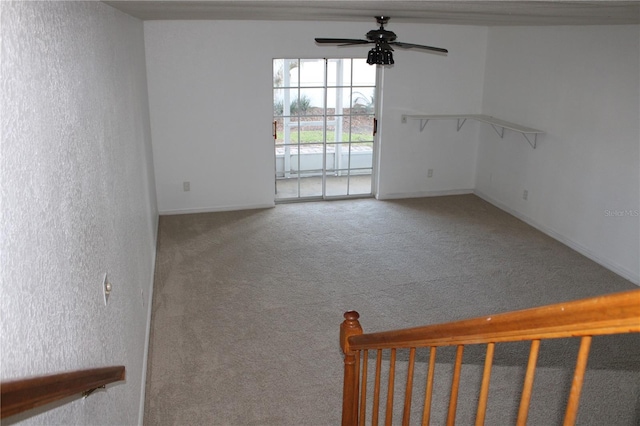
(275, 130)
(375, 126)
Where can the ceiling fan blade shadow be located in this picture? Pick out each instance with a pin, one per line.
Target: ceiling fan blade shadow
(343, 41)
(418, 46)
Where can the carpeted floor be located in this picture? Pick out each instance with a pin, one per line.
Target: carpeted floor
(247, 304)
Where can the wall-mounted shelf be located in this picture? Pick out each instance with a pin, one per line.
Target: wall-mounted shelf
(531, 135)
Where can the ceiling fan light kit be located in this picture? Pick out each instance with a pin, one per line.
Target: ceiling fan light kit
(379, 56)
(383, 39)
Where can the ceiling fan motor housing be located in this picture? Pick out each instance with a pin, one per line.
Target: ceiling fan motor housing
(381, 35)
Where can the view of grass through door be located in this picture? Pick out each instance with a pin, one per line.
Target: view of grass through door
(323, 122)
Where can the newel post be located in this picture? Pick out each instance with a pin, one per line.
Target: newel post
(350, 327)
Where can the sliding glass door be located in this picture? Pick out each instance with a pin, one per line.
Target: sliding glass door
(323, 128)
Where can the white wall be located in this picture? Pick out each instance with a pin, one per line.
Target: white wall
(77, 201)
(210, 100)
(582, 86)
(422, 83)
(210, 91)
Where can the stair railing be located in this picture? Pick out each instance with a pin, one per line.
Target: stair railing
(617, 313)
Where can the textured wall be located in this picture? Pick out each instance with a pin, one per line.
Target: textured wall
(78, 200)
(580, 85)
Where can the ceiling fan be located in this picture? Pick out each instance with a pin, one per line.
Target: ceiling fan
(383, 39)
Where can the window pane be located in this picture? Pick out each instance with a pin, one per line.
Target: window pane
(336, 184)
(361, 128)
(280, 162)
(361, 155)
(330, 163)
(339, 72)
(360, 182)
(311, 184)
(330, 132)
(311, 102)
(363, 73)
(308, 130)
(291, 78)
(312, 73)
(338, 101)
(282, 101)
(308, 158)
(337, 156)
(338, 128)
(282, 78)
(363, 100)
(278, 72)
(286, 188)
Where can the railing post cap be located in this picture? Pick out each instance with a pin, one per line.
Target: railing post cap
(351, 316)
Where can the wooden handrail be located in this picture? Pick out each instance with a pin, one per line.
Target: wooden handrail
(21, 395)
(608, 314)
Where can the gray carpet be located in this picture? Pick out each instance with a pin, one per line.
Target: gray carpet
(247, 304)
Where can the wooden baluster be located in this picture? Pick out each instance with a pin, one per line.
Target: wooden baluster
(350, 327)
(455, 385)
(484, 388)
(376, 390)
(363, 390)
(426, 413)
(523, 412)
(356, 386)
(392, 375)
(406, 415)
(578, 378)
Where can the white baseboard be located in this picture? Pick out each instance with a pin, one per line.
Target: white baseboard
(421, 194)
(145, 356)
(612, 266)
(217, 209)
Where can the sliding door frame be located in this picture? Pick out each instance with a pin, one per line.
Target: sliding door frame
(335, 169)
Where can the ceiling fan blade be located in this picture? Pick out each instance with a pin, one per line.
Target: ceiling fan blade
(343, 41)
(418, 46)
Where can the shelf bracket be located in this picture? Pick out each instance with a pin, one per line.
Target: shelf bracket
(86, 393)
(423, 123)
(460, 123)
(535, 139)
(501, 134)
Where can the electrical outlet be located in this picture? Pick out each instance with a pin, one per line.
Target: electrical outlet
(430, 173)
(186, 186)
(525, 194)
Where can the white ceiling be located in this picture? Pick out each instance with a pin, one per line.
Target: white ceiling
(474, 12)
